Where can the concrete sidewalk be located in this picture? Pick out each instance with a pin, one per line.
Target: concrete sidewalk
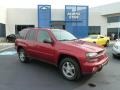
(4, 46)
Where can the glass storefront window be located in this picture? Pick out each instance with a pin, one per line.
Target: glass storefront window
(113, 19)
(113, 31)
(94, 30)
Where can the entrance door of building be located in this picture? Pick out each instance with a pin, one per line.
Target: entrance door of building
(20, 27)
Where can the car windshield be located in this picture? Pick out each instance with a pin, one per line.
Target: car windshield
(93, 36)
(118, 40)
(63, 35)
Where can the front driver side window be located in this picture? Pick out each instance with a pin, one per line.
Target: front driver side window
(43, 35)
(101, 37)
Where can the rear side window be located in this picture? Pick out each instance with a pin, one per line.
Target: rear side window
(43, 35)
(22, 34)
(31, 35)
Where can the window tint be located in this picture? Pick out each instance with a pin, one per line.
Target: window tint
(43, 35)
(31, 35)
(22, 34)
(101, 37)
(63, 35)
(93, 36)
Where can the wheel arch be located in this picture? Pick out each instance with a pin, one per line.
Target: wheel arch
(61, 56)
(19, 47)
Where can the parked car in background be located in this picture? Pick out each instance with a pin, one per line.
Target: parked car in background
(60, 48)
(116, 49)
(11, 38)
(98, 39)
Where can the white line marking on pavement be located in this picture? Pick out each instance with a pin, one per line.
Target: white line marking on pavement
(8, 53)
(6, 44)
(6, 48)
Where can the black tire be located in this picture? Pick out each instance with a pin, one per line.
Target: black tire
(22, 56)
(73, 65)
(115, 56)
(7, 40)
(107, 43)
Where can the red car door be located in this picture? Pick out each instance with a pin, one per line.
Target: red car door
(31, 43)
(45, 48)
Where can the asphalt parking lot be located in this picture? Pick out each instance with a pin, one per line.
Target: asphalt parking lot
(40, 76)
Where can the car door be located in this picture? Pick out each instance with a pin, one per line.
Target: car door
(45, 50)
(31, 43)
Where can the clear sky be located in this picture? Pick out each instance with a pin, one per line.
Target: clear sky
(54, 3)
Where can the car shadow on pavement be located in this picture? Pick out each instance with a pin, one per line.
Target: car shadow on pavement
(50, 73)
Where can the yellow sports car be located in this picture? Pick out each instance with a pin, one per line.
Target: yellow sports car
(98, 39)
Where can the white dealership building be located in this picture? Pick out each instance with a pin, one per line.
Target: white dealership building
(101, 20)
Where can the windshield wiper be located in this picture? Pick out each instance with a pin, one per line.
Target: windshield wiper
(68, 40)
(74, 39)
(64, 40)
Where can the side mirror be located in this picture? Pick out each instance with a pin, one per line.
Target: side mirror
(48, 41)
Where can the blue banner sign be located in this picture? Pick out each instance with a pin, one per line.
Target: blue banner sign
(76, 18)
(44, 16)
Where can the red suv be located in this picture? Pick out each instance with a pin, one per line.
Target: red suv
(60, 48)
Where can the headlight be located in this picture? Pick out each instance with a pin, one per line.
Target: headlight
(91, 55)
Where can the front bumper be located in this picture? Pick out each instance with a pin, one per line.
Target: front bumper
(92, 67)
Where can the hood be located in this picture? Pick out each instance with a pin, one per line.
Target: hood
(86, 46)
